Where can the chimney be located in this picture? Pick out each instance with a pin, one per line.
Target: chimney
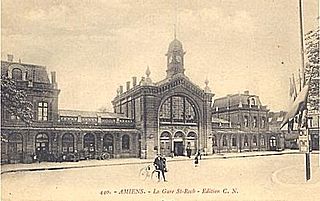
(10, 57)
(54, 79)
(246, 92)
(128, 85)
(134, 81)
(121, 89)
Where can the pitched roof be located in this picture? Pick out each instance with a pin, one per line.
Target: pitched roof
(76, 113)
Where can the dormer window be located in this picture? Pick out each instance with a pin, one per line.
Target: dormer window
(253, 101)
(17, 74)
(42, 111)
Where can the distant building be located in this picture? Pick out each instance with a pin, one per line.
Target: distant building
(249, 123)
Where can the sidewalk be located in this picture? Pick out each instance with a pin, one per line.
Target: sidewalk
(7, 168)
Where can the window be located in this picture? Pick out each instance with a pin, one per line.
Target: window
(177, 109)
(234, 141)
(43, 111)
(17, 74)
(214, 139)
(253, 101)
(262, 141)
(125, 142)
(68, 143)
(254, 141)
(246, 143)
(254, 125)
(246, 121)
(224, 141)
(15, 143)
(263, 122)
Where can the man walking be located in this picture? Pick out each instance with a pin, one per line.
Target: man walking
(159, 164)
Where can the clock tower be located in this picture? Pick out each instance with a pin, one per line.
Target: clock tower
(175, 58)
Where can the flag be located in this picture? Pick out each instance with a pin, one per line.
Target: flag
(298, 105)
(293, 96)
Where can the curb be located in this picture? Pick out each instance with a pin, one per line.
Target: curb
(143, 162)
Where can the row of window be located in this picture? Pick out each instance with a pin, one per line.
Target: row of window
(255, 122)
(42, 142)
(234, 141)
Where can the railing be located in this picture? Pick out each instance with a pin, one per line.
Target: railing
(103, 122)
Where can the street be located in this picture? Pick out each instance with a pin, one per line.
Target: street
(257, 178)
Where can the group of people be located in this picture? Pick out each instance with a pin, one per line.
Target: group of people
(160, 163)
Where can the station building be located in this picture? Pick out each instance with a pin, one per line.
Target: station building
(149, 117)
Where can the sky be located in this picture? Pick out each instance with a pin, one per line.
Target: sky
(96, 46)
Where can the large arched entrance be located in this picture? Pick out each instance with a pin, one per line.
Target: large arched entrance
(179, 115)
(89, 145)
(15, 148)
(42, 146)
(108, 143)
(165, 143)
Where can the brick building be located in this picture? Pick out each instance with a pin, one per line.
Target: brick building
(149, 117)
(249, 126)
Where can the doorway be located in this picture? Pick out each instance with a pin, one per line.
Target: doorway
(178, 149)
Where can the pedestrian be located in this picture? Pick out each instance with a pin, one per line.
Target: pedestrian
(159, 165)
(199, 154)
(196, 161)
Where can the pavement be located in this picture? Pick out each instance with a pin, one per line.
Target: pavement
(44, 166)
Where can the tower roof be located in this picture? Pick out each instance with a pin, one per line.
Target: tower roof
(175, 45)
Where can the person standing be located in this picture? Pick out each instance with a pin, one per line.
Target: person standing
(159, 165)
(196, 161)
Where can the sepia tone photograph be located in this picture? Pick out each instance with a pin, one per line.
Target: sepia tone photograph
(165, 100)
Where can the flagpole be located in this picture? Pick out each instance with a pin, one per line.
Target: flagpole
(302, 40)
(307, 154)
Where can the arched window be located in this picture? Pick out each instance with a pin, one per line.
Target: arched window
(178, 135)
(234, 140)
(17, 74)
(89, 142)
(246, 141)
(224, 140)
(254, 141)
(42, 143)
(68, 143)
(125, 142)
(177, 109)
(108, 143)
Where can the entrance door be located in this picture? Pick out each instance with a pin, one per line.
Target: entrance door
(178, 148)
(273, 143)
(42, 147)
